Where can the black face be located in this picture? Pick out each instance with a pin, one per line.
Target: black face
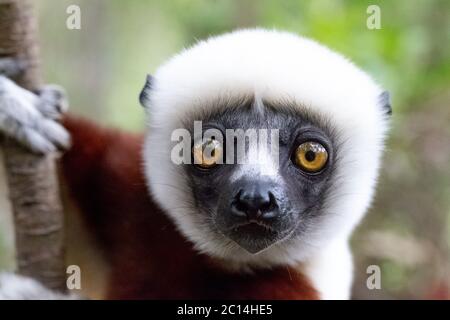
(256, 211)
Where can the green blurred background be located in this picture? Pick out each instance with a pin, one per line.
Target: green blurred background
(407, 231)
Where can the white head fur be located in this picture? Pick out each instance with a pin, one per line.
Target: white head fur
(273, 66)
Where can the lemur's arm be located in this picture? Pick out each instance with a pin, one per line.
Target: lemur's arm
(30, 118)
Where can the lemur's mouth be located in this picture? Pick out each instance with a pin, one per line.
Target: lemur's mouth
(255, 229)
(255, 225)
(253, 236)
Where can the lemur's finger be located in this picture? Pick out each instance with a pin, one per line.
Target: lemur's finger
(45, 138)
(55, 133)
(36, 142)
(52, 101)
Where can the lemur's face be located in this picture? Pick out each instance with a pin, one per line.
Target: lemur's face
(322, 122)
(271, 191)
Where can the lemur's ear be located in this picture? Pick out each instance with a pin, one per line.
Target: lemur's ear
(385, 102)
(144, 97)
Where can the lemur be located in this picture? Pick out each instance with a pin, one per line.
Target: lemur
(273, 229)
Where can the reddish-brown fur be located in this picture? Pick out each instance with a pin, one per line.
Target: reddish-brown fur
(149, 258)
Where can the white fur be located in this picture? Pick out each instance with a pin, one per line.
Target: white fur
(15, 287)
(331, 270)
(274, 66)
(29, 118)
(259, 160)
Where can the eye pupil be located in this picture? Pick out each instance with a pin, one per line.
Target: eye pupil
(310, 156)
(207, 154)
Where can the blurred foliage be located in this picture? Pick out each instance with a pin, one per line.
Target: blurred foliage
(120, 41)
(103, 66)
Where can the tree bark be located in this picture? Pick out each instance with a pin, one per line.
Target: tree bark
(32, 180)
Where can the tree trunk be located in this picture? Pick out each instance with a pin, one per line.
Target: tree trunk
(32, 180)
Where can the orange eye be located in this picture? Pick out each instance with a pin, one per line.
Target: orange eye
(311, 156)
(207, 154)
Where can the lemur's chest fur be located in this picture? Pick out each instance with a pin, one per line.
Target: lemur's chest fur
(146, 256)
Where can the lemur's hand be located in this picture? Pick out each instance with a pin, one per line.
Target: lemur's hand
(30, 118)
(14, 287)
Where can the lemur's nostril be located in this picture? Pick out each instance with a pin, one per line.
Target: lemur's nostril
(255, 202)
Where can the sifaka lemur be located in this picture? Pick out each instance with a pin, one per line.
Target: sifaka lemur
(276, 228)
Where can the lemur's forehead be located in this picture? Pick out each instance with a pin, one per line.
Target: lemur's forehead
(252, 113)
(271, 65)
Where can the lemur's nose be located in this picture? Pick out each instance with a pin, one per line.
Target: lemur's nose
(255, 202)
